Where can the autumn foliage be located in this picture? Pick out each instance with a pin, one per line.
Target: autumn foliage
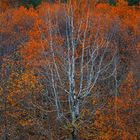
(34, 44)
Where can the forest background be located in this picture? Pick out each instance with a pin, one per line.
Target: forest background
(69, 70)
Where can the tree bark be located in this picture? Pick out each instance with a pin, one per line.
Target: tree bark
(74, 134)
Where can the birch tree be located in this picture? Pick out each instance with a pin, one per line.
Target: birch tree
(85, 58)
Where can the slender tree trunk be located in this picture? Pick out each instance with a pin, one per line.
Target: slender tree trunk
(75, 113)
(74, 134)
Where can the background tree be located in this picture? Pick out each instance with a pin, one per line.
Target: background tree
(34, 3)
(133, 2)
